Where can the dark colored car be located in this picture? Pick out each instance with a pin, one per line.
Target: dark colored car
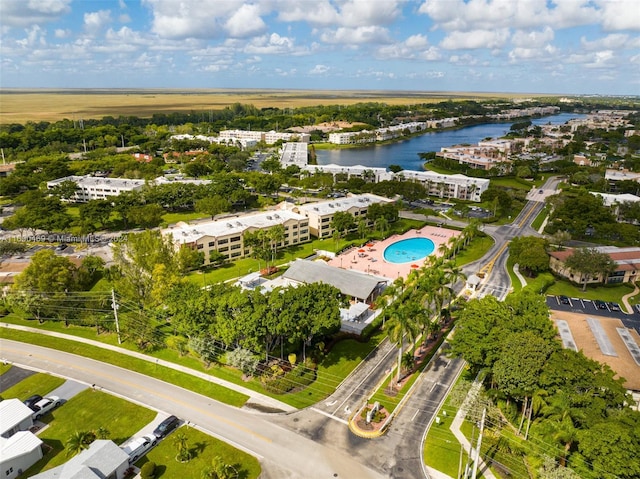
(166, 426)
(614, 306)
(563, 299)
(31, 401)
(600, 304)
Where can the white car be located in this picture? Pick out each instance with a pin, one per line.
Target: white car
(44, 406)
(139, 446)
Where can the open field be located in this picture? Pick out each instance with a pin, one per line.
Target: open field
(21, 105)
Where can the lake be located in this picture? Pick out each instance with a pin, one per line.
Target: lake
(405, 153)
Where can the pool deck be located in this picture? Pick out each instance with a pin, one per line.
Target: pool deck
(370, 260)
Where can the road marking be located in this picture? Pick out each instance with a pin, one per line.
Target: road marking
(434, 386)
(414, 416)
(331, 403)
(330, 416)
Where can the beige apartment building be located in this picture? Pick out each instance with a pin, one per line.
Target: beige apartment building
(627, 261)
(227, 235)
(320, 214)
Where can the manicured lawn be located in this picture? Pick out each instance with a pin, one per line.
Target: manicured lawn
(204, 449)
(515, 183)
(537, 223)
(38, 383)
(169, 375)
(4, 368)
(88, 411)
(476, 249)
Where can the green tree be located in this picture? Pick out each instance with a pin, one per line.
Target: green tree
(147, 216)
(530, 253)
(343, 222)
(401, 323)
(590, 263)
(181, 443)
(95, 212)
(213, 205)
(78, 442)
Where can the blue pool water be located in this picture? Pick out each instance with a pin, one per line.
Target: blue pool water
(407, 250)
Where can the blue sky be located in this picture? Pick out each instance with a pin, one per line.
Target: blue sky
(560, 46)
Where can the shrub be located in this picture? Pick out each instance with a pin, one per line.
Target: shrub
(244, 360)
(298, 378)
(148, 470)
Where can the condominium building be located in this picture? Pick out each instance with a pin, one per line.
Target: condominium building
(269, 137)
(457, 186)
(294, 153)
(227, 235)
(320, 214)
(627, 261)
(476, 157)
(94, 188)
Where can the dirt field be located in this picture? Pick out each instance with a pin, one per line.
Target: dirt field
(19, 106)
(623, 365)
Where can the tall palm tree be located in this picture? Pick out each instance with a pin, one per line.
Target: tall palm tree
(401, 324)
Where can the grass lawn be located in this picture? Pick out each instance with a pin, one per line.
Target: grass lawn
(476, 249)
(171, 218)
(511, 182)
(605, 293)
(169, 375)
(39, 383)
(4, 367)
(204, 449)
(537, 223)
(88, 411)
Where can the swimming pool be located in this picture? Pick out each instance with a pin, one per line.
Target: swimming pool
(407, 250)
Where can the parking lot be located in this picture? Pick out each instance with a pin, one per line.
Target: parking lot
(590, 307)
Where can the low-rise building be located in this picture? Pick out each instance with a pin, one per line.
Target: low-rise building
(627, 262)
(294, 153)
(269, 137)
(19, 447)
(226, 236)
(102, 459)
(14, 417)
(320, 214)
(456, 186)
(94, 188)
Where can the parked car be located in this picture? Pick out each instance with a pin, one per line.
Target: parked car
(44, 406)
(600, 304)
(139, 446)
(31, 401)
(614, 306)
(563, 299)
(166, 426)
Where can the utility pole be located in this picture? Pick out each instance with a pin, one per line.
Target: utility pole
(114, 305)
(477, 454)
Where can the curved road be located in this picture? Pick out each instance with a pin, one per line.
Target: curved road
(283, 454)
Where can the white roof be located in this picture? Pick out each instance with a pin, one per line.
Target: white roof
(619, 175)
(189, 233)
(343, 204)
(12, 412)
(85, 181)
(21, 443)
(610, 199)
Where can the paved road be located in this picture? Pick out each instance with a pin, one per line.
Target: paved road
(283, 454)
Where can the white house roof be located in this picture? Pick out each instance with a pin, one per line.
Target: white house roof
(189, 233)
(12, 412)
(97, 462)
(89, 181)
(611, 199)
(349, 282)
(342, 204)
(21, 443)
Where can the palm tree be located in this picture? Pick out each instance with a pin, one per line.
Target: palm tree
(561, 423)
(401, 324)
(79, 441)
(180, 440)
(219, 470)
(382, 224)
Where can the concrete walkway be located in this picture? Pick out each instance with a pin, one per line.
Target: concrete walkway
(516, 271)
(257, 400)
(457, 423)
(625, 298)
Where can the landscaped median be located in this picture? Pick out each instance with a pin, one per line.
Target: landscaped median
(387, 401)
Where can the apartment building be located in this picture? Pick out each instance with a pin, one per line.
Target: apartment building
(294, 153)
(94, 188)
(457, 186)
(320, 214)
(242, 143)
(269, 137)
(627, 262)
(227, 235)
(475, 157)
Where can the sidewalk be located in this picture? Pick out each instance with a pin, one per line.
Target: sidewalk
(260, 401)
(625, 299)
(457, 422)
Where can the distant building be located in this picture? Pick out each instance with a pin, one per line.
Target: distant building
(7, 169)
(620, 175)
(269, 137)
(294, 153)
(627, 262)
(227, 235)
(93, 188)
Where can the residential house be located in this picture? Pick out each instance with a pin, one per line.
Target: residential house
(627, 262)
(19, 447)
(103, 459)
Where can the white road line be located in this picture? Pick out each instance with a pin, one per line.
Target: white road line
(330, 416)
(414, 416)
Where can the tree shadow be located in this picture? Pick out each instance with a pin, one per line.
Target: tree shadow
(197, 449)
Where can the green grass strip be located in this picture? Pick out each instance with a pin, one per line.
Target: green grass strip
(38, 383)
(162, 373)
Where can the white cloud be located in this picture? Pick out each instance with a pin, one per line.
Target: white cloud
(62, 33)
(36, 36)
(245, 22)
(475, 39)
(601, 59)
(359, 35)
(414, 47)
(344, 13)
(532, 39)
(21, 13)
(319, 70)
(548, 53)
(124, 18)
(620, 15)
(614, 41)
(273, 44)
(465, 59)
(95, 22)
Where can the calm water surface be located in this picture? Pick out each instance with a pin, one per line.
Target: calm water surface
(405, 153)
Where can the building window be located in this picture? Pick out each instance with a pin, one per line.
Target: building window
(235, 238)
(200, 246)
(326, 220)
(236, 246)
(212, 244)
(235, 255)
(223, 241)
(226, 248)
